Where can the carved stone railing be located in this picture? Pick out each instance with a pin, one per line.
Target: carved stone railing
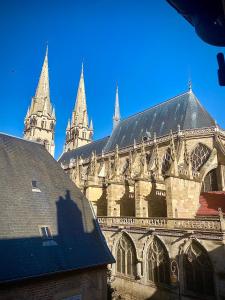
(164, 223)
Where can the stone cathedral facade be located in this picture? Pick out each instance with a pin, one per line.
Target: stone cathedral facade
(157, 186)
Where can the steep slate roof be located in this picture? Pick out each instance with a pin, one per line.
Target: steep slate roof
(77, 240)
(184, 110)
(84, 151)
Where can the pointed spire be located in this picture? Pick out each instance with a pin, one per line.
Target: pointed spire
(116, 117)
(91, 125)
(53, 113)
(68, 125)
(42, 90)
(80, 110)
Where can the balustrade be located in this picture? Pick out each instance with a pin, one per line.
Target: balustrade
(166, 223)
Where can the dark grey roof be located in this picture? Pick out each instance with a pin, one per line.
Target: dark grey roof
(184, 110)
(59, 205)
(84, 151)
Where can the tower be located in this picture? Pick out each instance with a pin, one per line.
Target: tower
(79, 132)
(40, 118)
(116, 117)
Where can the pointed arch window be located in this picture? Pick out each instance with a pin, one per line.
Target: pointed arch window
(210, 182)
(166, 161)
(198, 271)
(125, 257)
(199, 156)
(158, 265)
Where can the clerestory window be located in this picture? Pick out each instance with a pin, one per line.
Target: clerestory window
(199, 156)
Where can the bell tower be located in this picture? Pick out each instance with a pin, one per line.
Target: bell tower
(40, 119)
(79, 132)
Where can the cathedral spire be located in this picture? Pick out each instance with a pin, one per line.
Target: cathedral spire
(42, 90)
(80, 110)
(40, 119)
(79, 133)
(116, 117)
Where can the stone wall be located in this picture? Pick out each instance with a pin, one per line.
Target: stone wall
(176, 243)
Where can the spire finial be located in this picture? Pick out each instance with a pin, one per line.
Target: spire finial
(189, 85)
(82, 69)
(116, 117)
(46, 54)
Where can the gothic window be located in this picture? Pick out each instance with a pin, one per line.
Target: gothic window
(166, 161)
(84, 135)
(210, 182)
(198, 271)
(158, 265)
(42, 124)
(125, 257)
(199, 156)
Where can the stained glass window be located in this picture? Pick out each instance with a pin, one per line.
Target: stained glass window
(198, 272)
(125, 257)
(199, 156)
(158, 262)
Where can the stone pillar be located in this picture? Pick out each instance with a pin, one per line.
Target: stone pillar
(220, 177)
(115, 192)
(182, 197)
(142, 191)
(93, 194)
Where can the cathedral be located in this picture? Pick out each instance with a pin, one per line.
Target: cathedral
(157, 186)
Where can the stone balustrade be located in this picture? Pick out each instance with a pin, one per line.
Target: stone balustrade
(204, 224)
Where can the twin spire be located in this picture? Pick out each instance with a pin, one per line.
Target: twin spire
(79, 115)
(40, 118)
(43, 84)
(41, 101)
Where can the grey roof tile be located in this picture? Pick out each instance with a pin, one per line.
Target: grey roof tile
(84, 151)
(60, 205)
(184, 110)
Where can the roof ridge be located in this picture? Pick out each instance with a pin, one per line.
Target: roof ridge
(91, 143)
(83, 146)
(19, 138)
(154, 106)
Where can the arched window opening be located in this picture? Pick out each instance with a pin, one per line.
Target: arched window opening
(125, 257)
(199, 156)
(209, 183)
(166, 161)
(158, 265)
(198, 271)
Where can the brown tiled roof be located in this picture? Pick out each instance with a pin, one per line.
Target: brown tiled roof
(210, 202)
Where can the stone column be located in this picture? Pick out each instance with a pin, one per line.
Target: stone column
(220, 177)
(142, 191)
(93, 193)
(182, 197)
(115, 192)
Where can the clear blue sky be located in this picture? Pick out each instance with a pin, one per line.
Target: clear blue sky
(144, 45)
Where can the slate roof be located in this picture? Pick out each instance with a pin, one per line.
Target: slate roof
(84, 151)
(77, 241)
(184, 110)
